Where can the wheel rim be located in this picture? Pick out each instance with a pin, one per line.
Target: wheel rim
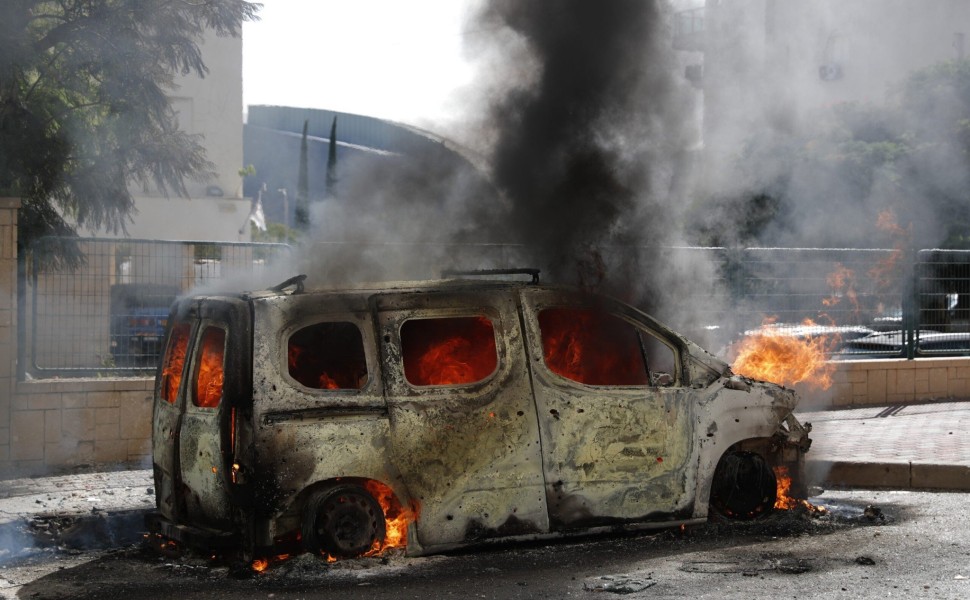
(347, 524)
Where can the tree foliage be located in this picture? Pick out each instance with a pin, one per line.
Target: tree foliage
(84, 105)
(851, 160)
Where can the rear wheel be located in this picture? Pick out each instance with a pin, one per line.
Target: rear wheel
(344, 522)
(744, 487)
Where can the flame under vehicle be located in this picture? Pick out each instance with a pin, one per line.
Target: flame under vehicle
(435, 415)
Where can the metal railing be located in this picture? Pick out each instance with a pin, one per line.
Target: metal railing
(106, 313)
(866, 303)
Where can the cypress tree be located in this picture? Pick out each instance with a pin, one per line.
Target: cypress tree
(303, 184)
(332, 160)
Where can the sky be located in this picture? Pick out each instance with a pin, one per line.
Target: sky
(393, 59)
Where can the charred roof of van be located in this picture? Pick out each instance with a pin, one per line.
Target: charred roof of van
(478, 279)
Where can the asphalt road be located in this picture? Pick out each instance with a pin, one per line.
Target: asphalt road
(906, 545)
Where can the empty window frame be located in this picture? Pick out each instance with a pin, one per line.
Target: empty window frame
(328, 356)
(448, 351)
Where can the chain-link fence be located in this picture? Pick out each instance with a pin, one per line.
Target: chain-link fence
(104, 309)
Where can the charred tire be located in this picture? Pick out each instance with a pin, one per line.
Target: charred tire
(344, 522)
(744, 487)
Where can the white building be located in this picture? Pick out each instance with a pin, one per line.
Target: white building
(212, 107)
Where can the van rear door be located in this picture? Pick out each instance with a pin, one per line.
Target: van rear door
(202, 390)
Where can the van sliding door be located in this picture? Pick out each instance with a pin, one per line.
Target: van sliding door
(462, 421)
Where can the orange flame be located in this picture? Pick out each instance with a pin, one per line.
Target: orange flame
(396, 518)
(771, 355)
(887, 272)
(174, 361)
(842, 283)
(783, 498)
(448, 351)
(208, 391)
(260, 565)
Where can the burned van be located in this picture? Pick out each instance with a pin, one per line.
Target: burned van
(434, 415)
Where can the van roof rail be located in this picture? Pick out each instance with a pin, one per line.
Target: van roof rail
(296, 281)
(534, 273)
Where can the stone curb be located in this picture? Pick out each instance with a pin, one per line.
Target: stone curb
(897, 476)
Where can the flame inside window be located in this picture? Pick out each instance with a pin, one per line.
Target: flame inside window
(210, 372)
(448, 351)
(174, 361)
(592, 347)
(328, 356)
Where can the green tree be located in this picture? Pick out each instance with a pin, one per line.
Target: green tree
(850, 160)
(84, 105)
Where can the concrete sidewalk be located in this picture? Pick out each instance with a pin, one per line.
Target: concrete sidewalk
(913, 446)
(924, 446)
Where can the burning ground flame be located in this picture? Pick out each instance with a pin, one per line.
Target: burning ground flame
(783, 499)
(772, 354)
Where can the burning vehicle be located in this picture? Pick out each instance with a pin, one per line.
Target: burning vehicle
(435, 415)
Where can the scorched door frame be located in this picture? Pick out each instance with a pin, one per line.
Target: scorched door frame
(610, 453)
(206, 455)
(468, 453)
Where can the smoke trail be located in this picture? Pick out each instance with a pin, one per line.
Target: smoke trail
(583, 153)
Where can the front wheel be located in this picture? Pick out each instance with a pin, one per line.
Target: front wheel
(343, 522)
(744, 487)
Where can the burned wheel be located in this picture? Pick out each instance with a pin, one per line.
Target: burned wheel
(744, 487)
(343, 522)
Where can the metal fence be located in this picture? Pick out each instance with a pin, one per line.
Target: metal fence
(865, 303)
(106, 313)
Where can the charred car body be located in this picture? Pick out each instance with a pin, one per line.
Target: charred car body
(464, 410)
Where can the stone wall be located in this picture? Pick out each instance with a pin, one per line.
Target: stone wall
(8, 318)
(893, 381)
(60, 424)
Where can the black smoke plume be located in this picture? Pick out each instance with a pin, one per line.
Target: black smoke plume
(585, 153)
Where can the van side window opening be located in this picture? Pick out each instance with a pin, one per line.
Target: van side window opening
(328, 356)
(661, 361)
(174, 361)
(210, 373)
(448, 351)
(592, 347)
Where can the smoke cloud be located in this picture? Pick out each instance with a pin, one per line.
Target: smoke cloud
(574, 147)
